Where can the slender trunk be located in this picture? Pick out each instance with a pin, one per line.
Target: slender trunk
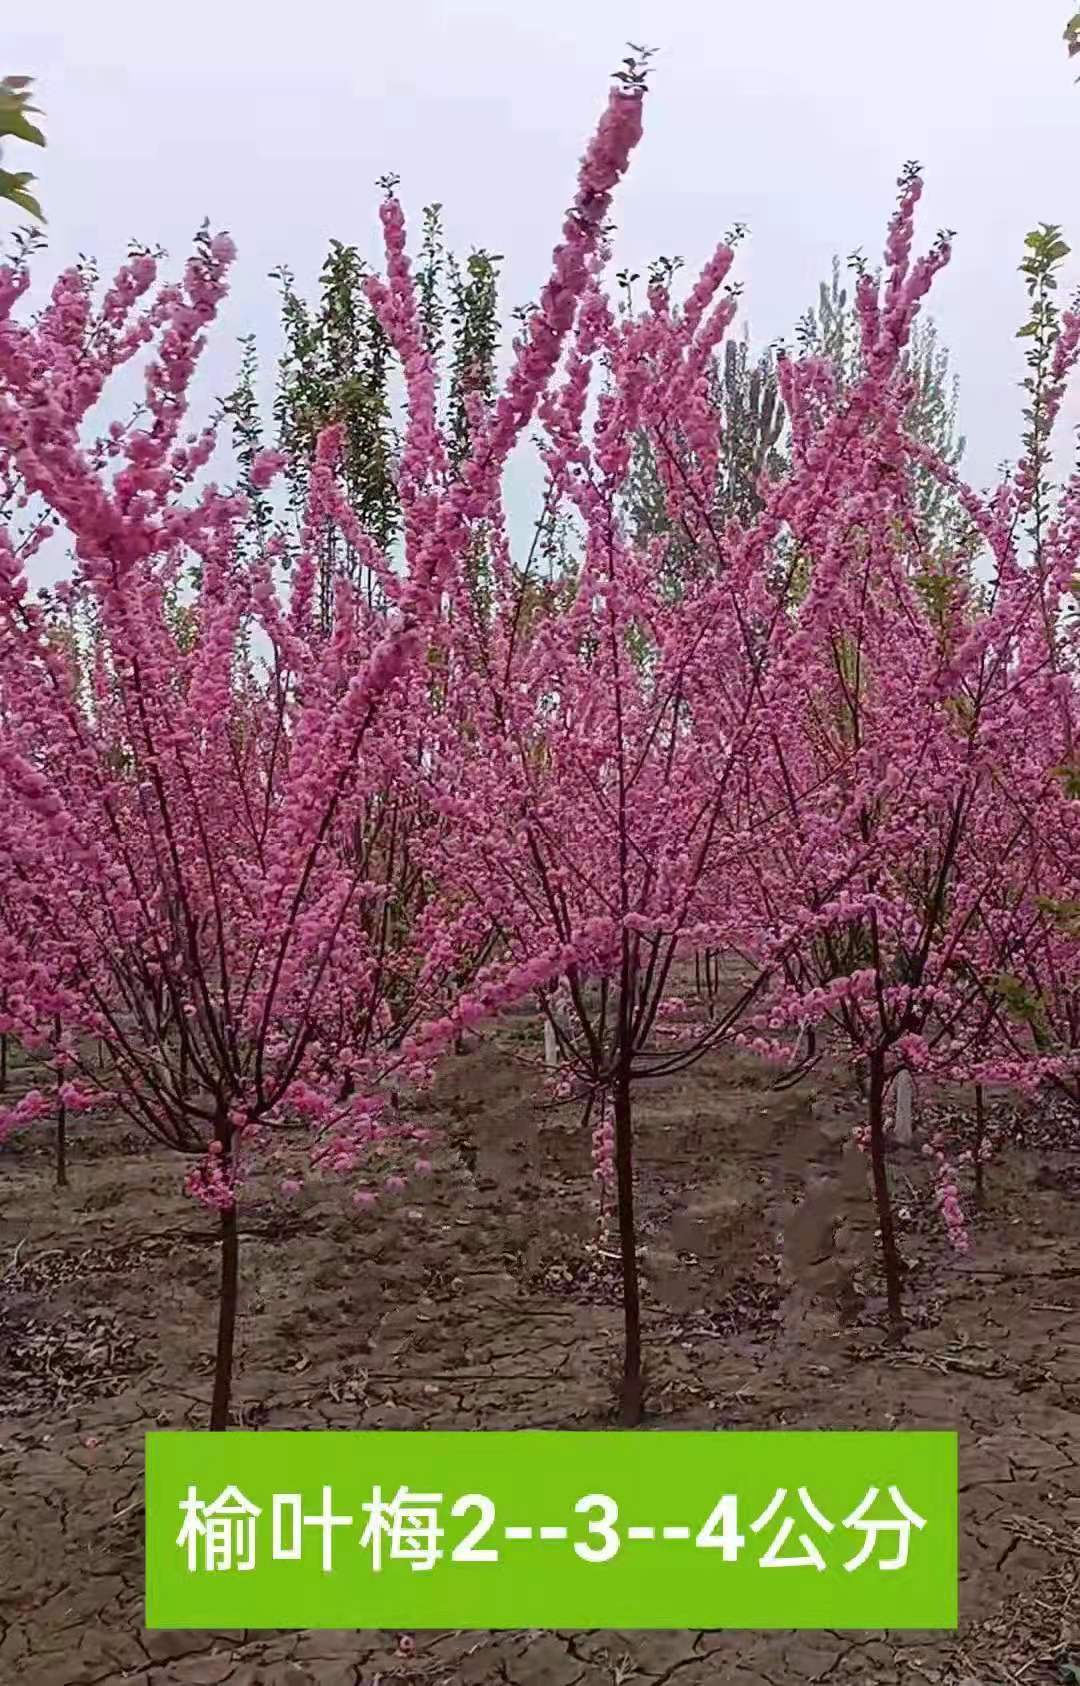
(61, 1110)
(3, 1062)
(630, 1397)
(889, 1256)
(61, 1146)
(697, 971)
(980, 1132)
(226, 1334)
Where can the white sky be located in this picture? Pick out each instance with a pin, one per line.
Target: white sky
(274, 120)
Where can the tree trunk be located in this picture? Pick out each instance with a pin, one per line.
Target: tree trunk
(61, 1146)
(889, 1256)
(980, 1131)
(630, 1397)
(3, 1063)
(223, 1362)
(551, 1046)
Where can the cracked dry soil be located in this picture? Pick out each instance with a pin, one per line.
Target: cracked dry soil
(495, 1309)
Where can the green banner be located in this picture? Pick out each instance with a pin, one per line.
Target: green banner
(545, 1530)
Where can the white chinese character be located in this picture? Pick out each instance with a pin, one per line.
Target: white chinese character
(411, 1522)
(813, 1558)
(225, 1527)
(902, 1529)
(291, 1504)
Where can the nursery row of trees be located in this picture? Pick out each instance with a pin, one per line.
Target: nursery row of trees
(306, 775)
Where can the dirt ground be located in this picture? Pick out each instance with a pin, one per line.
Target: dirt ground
(482, 1301)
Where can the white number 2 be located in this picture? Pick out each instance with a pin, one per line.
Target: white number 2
(604, 1525)
(465, 1551)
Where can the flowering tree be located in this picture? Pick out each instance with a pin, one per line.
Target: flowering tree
(1031, 973)
(914, 720)
(190, 874)
(607, 743)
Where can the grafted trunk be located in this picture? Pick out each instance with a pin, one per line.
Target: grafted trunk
(630, 1397)
(61, 1146)
(890, 1257)
(226, 1333)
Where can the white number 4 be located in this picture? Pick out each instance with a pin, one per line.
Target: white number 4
(721, 1529)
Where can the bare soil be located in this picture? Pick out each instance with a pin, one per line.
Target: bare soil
(482, 1300)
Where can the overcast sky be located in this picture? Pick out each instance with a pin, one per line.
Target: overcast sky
(274, 120)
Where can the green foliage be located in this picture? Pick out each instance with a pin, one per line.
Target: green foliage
(745, 394)
(1044, 253)
(242, 406)
(748, 398)
(1063, 915)
(429, 279)
(1022, 1004)
(1069, 774)
(336, 368)
(831, 329)
(474, 304)
(15, 124)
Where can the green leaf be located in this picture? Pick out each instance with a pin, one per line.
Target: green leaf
(14, 122)
(1070, 779)
(13, 186)
(14, 106)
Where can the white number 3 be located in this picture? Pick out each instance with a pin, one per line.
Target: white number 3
(603, 1525)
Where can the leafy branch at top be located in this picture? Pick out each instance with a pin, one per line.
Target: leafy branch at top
(1045, 251)
(15, 109)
